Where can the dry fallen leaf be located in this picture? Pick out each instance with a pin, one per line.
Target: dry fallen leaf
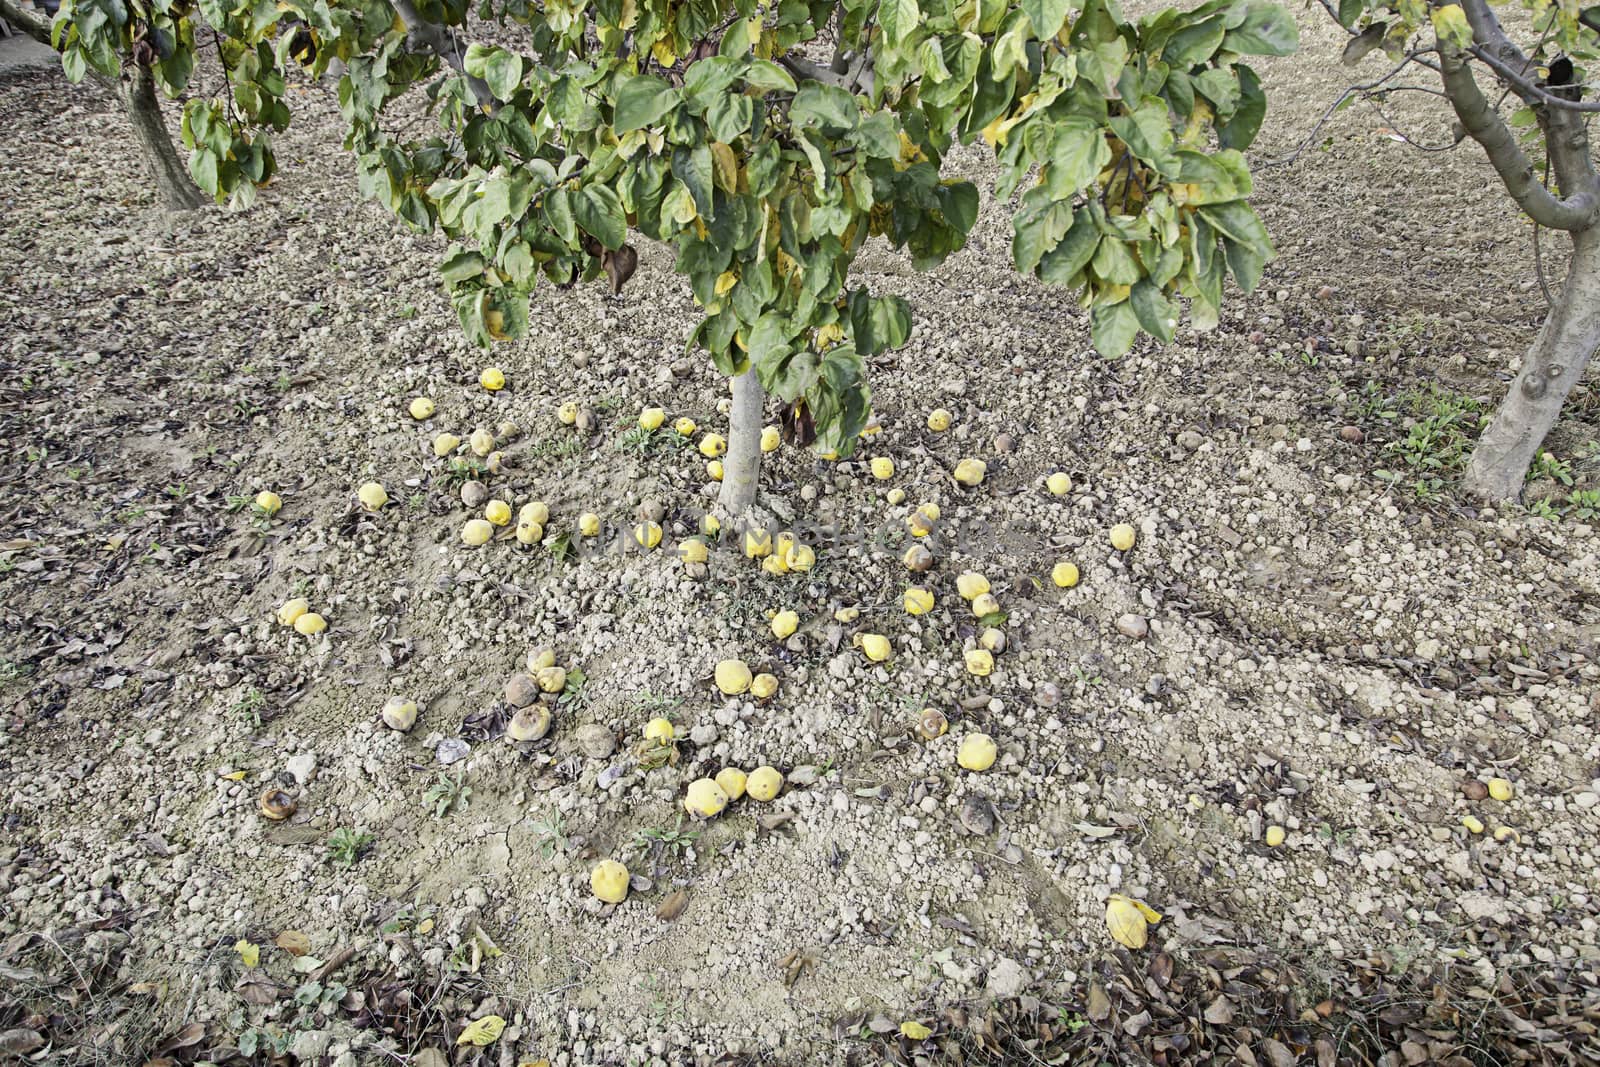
(673, 906)
(293, 942)
(481, 1032)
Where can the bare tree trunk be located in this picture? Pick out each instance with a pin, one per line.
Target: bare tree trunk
(741, 469)
(173, 185)
(1569, 338)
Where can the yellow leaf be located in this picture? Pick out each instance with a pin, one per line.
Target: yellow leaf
(752, 29)
(425, 926)
(235, 776)
(249, 953)
(726, 281)
(915, 1030)
(725, 166)
(1129, 920)
(630, 14)
(663, 52)
(1450, 24)
(829, 335)
(481, 1032)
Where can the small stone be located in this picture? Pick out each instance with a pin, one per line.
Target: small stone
(1004, 443)
(521, 691)
(1007, 979)
(302, 766)
(594, 741)
(1351, 434)
(1047, 694)
(1134, 626)
(704, 734)
(1586, 800)
(1473, 789)
(1189, 440)
(977, 816)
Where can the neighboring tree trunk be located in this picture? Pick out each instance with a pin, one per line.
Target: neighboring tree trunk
(741, 468)
(173, 185)
(1569, 338)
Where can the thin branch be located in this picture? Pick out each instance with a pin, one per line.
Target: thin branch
(1354, 90)
(27, 20)
(1527, 90)
(809, 71)
(425, 36)
(1485, 126)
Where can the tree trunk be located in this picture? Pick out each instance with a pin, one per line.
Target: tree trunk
(1568, 339)
(173, 185)
(741, 469)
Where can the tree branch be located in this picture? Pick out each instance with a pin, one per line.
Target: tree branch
(30, 22)
(1578, 211)
(425, 36)
(857, 75)
(1531, 94)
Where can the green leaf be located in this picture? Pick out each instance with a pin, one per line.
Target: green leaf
(898, 18)
(1113, 327)
(1074, 251)
(74, 65)
(1269, 30)
(1221, 87)
(990, 101)
(1113, 262)
(1240, 130)
(1450, 25)
(599, 212)
(1238, 221)
(768, 77)
(1194, 44)
(693, 167)
(878, 323)
(729, 116)
(643, 101)
(827, 107)
(931, 56)
(1078, 153)
(1157, 317)
(503, 73)
(1046, 16)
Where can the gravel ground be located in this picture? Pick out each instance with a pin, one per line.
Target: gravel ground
(1293, 642)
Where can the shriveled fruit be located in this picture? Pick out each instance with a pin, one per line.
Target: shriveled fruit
(1274, 836)
(713, 445)
(883, 468)
(540, 658)
(567, 414)
(714, 470)
(984, 605)
(492, 379)
(763, 686)
(757, 543)
(874, 646)
(977, 752)
(481, 442)
(917, 601)
(710, 525)
(993, 640)
(474, 493)
(421, 408)
(1122, 537)
(498, 512)
(970, 472)
(652, 418)
(693, 550)
(1059, 483)
(704, 798)
(919, 523)
(529, 533)
(534, 511)
(399, 714)
(372, 496)
(785, 623)
(589, 524)
(310, 624)
(896, 496)
(800, 558)
(732, 781)
(521, 690)
(1500, 789)
(268, 502)
(971, 585)
(1064, 574)
(551, 679)
(609, 881)
(918, 558)
(1473, 824)
(477, 532)
(659, 731)
(684, 426)
(939, 420)
(528, 724)
(771, 438)
(292, 609)
(979, 662)
(445, 443)
(931, 723)
(732, 676)
(763, 784)
(647, 534)
(275, 804)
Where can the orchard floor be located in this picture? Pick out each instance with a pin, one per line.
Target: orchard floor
(1326, 651)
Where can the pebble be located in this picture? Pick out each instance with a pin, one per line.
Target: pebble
(1134, 626)
(303, 766)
